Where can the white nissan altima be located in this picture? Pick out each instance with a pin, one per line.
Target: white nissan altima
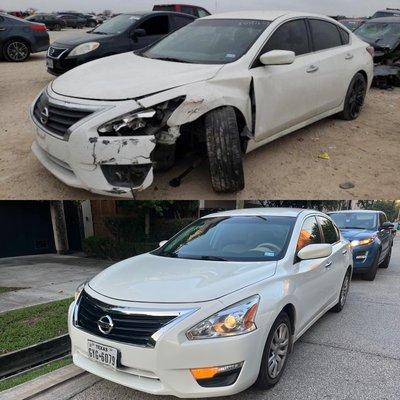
(222, 86)
(215, 309)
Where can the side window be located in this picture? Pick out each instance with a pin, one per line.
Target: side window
(158, 25)
(345, 36)
(188, 10)
(292, 36)
(329, 231)
(179, 22)
(382, 219)
(202, 13)
(325, 35)
(309, 234)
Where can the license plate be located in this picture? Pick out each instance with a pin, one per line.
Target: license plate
(50, 63)
(102, 354)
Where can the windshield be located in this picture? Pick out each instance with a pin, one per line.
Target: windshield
(380, 33)
(232, 239)
(117, 24)
(355, 220)
(209, 41)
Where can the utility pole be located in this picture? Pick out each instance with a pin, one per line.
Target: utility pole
(59, 227)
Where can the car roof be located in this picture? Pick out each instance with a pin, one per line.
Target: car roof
(266, 211)
(385, 19)
(270, 15)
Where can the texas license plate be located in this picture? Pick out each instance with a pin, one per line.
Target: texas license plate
(102, 354)
(50, 63)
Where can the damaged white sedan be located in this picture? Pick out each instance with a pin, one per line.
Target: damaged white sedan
(220, 87)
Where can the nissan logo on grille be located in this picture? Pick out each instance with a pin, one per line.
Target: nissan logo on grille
(44, 115)
(105, 324)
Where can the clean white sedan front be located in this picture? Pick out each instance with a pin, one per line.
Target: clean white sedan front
(215, 309)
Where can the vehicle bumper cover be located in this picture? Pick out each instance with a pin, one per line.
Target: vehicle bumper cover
(364, 257)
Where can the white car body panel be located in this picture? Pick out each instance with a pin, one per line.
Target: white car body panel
(287, 98)
(309, 286)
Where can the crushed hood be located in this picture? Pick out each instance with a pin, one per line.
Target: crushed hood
(155, 279)
(128, 76)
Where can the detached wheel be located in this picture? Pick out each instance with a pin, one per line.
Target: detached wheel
(276, 353)
(386, 261)
(16, 50)
(224, 150)
(371, 274)
(343, 294)
(355, 98)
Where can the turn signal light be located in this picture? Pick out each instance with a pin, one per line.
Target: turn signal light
(371, 51)
(209, 373)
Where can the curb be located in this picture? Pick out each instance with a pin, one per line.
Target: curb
(35, 355)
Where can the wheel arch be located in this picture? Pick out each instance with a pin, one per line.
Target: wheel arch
(18, 37)
(363, 73)
(290, 310)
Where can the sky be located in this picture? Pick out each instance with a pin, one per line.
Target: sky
(330, 7)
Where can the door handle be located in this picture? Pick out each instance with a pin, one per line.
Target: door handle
(328, 265)
(349, 57)
(2, 29)
(344, 252)
(312, 68)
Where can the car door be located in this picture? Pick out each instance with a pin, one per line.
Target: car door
(385, 236)
(335, 62)
(310, 275)
(336, 265)
(3, 31)
(285, 95)
(155, 27)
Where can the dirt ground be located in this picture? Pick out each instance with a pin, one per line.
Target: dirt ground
(365, 152)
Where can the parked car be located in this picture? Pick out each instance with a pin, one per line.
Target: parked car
(121, 34)
(371, 238)
(19, 38)
(196, 11)
(389, 12)
(52, 22)
(91, 20)
(75, 21)
(225, 84)
(215, 309)
(352, 23)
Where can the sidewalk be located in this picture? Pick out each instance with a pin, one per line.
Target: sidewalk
(46, 278)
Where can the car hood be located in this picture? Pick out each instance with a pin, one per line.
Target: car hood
(75, 40)
(128, 76)
(155, 279)
(388, 43)
(357, 234)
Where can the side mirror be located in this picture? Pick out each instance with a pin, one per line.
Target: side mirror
(314, 251)
(161, 244)
(136, 33)
(387, 226)
(278, 57)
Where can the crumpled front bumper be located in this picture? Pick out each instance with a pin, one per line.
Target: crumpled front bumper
(81, 157)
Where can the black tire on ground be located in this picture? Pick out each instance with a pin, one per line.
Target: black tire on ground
(264, 380)
(371, 274)
(57, 27)
(355, 98)
(224, 150)
(386, 261)
(344, 290)
(11, 54)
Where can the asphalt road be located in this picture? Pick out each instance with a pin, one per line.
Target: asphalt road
(363, 152)
(351, 355)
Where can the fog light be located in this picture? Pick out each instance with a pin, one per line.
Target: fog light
(217, 376)
(207, 373)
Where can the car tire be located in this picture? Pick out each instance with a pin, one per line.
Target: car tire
(355, 98)
(386, 261)
(344, 290)
(266, 380)
(224, 150)
(57, 27)
(16, 50)
(371, 274)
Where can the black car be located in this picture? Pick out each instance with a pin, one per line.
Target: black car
(126, 32)
(76, 21)
(91, 20)
(52, 22)
(19, 38)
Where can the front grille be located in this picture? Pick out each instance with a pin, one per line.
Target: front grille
(55, 52)
(129, 327)
(55, 118)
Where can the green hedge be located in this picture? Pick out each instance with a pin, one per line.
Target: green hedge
(164, 229)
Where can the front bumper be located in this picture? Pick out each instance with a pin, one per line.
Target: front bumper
(364, 258)
(165, 369)
(82, 158)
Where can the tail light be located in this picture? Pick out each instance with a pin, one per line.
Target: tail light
(371, 51)
(38, 27)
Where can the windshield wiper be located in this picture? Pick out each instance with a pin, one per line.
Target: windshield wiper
(99, 33)
(212, 258)
(172, 59)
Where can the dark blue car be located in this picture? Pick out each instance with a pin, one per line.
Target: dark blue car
(371, 239)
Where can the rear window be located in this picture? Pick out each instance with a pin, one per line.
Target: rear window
(153, 26)
(325, 35)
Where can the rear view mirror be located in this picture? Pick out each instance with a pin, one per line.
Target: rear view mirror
(314, 251)
(164, 242)
(387, 225)
(278, 57)
(138, 33)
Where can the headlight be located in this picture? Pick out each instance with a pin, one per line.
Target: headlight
(363, 242)
(232, 321)
(79, 290)
(127, 124)
(84, 48)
